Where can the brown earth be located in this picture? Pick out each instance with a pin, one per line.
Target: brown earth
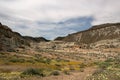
(73, 76)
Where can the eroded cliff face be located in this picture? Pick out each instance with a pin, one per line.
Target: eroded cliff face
(100, 36)
(35, 39)
(10, 40)
(96, 33)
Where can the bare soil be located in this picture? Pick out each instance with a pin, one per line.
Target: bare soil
(73, 76)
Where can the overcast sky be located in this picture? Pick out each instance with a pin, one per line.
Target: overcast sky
(52, 18)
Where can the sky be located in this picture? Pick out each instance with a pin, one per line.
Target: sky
(53, 18)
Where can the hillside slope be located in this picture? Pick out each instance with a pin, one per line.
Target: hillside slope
(96, 33)
(10, 40)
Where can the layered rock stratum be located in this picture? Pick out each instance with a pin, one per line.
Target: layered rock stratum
(99, 36)
(106, 35)
(9, 40)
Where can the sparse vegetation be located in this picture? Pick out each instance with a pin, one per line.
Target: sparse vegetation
(73, 57)
(17, 60)
(32, 71)
(66, 72)
(108, 70)
(43, 66)
(47, 66)
(55, 73)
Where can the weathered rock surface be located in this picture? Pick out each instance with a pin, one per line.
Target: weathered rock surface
(96, 33)
(10, 40)
(100, 36)
(35, 39)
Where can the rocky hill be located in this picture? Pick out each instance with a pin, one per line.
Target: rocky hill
(96, 35)
(10, 40)
(59, 38)
(35, 39)
(100, 36)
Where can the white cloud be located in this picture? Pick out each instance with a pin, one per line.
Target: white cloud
(28, 12)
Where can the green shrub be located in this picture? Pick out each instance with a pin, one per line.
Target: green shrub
(105, 75)
(104, 65)
(30, 61)
(98, 71)
(43, 60)
(72, 68)
(2, 78)
(55, 73)
(32, 71)
(81, 70)
(82, 65)
(109, 60)
(66, 72)
(14, 60)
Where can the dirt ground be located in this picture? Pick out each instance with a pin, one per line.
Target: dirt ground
(73, 76)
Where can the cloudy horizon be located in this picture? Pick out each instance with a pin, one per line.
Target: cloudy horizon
(53, 18)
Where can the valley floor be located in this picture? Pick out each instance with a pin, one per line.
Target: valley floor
(76, 75)
(50, 65)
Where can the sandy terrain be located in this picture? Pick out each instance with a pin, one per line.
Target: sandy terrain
(72, 76)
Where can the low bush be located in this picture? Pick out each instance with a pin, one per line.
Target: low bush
(104, 65)
(82, 70)
(82, 65)
(32, 71)
(43, 60)
(14, 60)
(55, 73)
(66, 72)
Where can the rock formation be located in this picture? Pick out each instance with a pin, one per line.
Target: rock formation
(10, 40)
(96, 34)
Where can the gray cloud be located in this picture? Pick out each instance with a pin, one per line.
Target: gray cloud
(51, 18)
(52, 30)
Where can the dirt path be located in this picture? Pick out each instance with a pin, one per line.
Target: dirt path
(72, 76)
